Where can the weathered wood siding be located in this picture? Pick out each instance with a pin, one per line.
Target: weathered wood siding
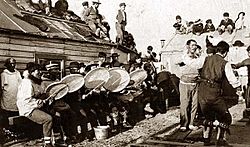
(24, 49)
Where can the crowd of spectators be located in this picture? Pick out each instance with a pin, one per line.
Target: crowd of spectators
(197, 27)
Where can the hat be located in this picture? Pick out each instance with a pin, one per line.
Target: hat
(238, 43)
(102, 54)
(74, 82)
(226, 14)
(178, 17)
(118, 80)
(96, 1)
(150, 48)
(52, 66)
(82, 65)
(209, 21)
(85, 3)
(115, 55)
(58, 88)
(74, 65)
(122, 4)
(96, 78)
(138, 76)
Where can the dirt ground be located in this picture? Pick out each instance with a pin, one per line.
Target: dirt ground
(151, 126)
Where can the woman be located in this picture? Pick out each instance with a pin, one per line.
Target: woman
(30, 100)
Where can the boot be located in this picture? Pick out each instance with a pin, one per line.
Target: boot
(207, 133)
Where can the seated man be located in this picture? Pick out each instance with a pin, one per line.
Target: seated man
(179, 25)
(30, 101)
(42, 6)
(209, 27)
(226, 24)
(94, 20)
(61, 7)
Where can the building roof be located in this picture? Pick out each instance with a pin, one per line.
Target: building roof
(14, 19)
(177, 42)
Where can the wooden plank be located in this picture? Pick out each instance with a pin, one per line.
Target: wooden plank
(4, 39)
(30, 48)
(18, 59)
(81, 53)
(86, 48)
(168, 142)
(13, 53)
(78, 58)
(36, 43)
(144, 145)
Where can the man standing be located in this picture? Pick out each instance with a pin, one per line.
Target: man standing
(115, 60)
(246, 63)
(214, 71)
(188, 85)
(121, 22)
(10, 80)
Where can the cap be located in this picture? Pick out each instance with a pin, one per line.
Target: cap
(122, 4)
(115, 55)
(150, 48)
(96, 2)
(226, 14)
(178, 17)
(85, 3)
(74, 65)
(102, 54)
(209, 21)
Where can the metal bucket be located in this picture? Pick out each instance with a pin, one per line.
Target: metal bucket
(101, 132)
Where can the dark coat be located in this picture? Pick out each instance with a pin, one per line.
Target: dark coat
(120, 18)
(226, 23)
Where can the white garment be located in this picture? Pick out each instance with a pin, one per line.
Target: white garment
(9, 84)
(25, 102)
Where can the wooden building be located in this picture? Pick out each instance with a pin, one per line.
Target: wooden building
(65, 41)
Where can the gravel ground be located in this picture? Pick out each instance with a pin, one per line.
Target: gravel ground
(148, 127)
(141, 131)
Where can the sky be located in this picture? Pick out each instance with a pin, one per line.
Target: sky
(152, 20)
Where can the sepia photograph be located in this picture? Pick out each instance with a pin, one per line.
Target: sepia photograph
(132, 73)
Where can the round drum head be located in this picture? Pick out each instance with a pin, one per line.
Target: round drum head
(74, 82)
(96, 78)
(58, 88)
(119, 79)
(138, 76)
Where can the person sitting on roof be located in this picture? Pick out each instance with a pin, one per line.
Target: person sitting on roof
(42, 6)
(239, 22)
(179, 25)
(226, 24)
(209, 27)
(94, 20)
(61, 7)
(198, 27)
(85, 5)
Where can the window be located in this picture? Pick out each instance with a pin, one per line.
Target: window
(45, 59)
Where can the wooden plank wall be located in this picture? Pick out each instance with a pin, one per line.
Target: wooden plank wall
(24, 49)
